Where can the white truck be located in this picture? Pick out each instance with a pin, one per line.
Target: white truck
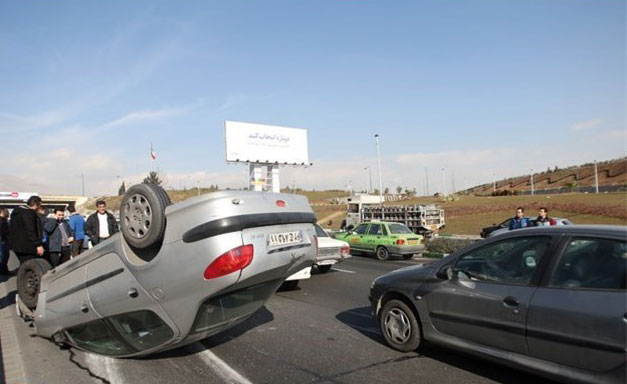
(421, 219)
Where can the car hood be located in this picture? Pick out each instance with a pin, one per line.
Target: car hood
(414, 273)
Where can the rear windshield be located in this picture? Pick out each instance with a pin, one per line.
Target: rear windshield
(320, 232)
(397, 229)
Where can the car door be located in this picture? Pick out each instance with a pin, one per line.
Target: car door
(487, 298)
(578, 317)
(357, 238)
(373, 236)
(116, 295)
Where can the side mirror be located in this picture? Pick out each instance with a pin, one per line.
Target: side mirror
(446, 273)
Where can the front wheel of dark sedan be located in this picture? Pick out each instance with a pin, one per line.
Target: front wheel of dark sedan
(399, 326)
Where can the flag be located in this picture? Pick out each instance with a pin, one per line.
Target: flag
(153, 155)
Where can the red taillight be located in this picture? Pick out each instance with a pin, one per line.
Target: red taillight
(400, 242)
(345, 250)
(280, 203)
(231, 261)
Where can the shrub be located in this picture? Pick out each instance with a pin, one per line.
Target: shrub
(446, 245)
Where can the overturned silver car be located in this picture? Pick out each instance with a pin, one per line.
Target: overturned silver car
(176, 273)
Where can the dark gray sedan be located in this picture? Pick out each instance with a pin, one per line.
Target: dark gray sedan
(551, 300)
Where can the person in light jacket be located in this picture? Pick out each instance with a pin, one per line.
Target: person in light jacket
(101, 224)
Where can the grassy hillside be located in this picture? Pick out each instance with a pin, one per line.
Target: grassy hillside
(464, 214)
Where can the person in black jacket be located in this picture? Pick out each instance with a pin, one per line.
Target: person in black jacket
(4, 241)
(101, 224)
(26, 231)
(60, 237)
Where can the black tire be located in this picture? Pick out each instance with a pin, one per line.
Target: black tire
(142, 215)
(407, 257)
(382, 253)
(29, 279)
(321, 268)
(399, 326)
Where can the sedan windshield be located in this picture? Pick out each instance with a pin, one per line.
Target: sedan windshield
(397, 229)
(320, 232)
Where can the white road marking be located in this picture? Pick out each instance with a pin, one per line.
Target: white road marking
(222, 369)
(343, 270)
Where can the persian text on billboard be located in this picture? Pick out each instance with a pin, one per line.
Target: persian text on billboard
(257, 143)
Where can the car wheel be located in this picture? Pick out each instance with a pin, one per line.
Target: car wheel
(29, 280)
(142, 215)
(399, 326)
(382, 253)
(321, 268)
(407, 257)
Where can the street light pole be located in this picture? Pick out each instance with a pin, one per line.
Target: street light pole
(443, 183)
(83, 183)
(376, 138)
(596, 178)
(426, 182)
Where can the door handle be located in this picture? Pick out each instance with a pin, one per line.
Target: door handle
(511, 302)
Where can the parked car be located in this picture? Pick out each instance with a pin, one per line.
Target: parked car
(174, 275)
(383, 239)
(495, 229)
(330, 251)
(551, 300)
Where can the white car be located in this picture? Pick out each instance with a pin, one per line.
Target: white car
(330, 251)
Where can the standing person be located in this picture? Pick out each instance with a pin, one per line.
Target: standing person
(4, 241)
(59, 237)
(43, 217)
(544, 218)
(26, 231)
(519, 221)
(77, 226)
(101, 224)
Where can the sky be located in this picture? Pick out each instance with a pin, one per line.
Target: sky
(481, 89)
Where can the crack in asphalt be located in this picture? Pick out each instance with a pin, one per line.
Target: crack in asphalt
(380, 363)
(322, 378)
(91, 374)
(318, 377)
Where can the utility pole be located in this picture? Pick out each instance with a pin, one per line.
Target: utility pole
(376, 138)
(426, 182)
(596, 177)
(443, 182)
(532, 182)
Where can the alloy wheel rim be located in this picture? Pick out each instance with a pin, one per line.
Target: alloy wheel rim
(397, 326)
(138, 216)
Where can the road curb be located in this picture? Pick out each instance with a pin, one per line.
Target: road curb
(12, 359)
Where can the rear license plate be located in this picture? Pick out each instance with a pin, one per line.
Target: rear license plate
(412, 242)
(326, 262)
(285, 238)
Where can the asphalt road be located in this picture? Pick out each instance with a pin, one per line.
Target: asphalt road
(319, 333)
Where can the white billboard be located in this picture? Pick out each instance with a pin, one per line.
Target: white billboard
(267, 144)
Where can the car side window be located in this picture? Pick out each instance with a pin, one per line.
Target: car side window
(361, 229)
(513, 260)
(375, 229)
(593, 264)
(121, 334)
